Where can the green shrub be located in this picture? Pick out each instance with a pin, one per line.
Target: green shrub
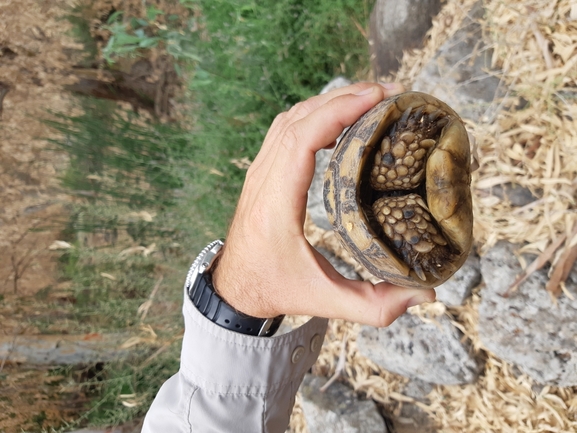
(259, 58)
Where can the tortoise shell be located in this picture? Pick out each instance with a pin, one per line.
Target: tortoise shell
(397, 191)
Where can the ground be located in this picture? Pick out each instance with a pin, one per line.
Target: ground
(34, 66)
(37, 55)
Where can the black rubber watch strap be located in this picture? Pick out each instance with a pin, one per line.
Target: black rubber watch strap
(214, 308)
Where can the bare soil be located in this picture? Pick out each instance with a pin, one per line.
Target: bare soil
(34, 40)
(41, 67)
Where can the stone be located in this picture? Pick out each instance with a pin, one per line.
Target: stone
(315, 204)
(131, 427)
(413, 419)
(64, 349)
(457, 289)
(338, 409)
(342, 268)
(395, 26)
(418, 389)
(431, 352)
(516, 194)
(336, 83)
(459, 73)
(526, 327)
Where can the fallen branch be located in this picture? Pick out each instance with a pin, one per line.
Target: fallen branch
(537, 264)
(562, 268)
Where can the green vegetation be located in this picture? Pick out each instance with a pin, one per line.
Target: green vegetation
(166, 190)
(116, 157)
(258, 59)
(131, 37)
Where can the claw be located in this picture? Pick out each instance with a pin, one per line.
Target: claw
(442, 122)
(433, 116)
(434, 272)
(405, 115)
(417, 117)
(450, 266)
(420, 273)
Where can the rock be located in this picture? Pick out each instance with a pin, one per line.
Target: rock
(64, 349)
(315, 203)
(395, 26)
(342, 268)
(338, 410)
(418, 390)
(458, 288)
(526, 327)
(516, 194)
(458, 75)
(413, 419)
(432, 352)
(131, 427)
(99, 430)
(336, 83)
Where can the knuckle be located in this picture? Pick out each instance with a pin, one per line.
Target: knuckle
(291, 136)
(280, 118)
(300, 110)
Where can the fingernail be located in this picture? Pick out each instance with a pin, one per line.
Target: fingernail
(366, 91)
(392, 86)
(419, 299)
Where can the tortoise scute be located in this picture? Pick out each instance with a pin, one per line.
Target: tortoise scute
(407, 215)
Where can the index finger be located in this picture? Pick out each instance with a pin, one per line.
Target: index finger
(304, 108)
(295, 154)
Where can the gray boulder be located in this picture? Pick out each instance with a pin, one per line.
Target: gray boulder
(398, 25)
(458, 288)
(459, 73)
(338, 409)
(432, 352)
(525, 327)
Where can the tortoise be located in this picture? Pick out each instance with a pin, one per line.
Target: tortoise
(397, 191)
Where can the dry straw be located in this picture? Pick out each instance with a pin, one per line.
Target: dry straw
(531, 142)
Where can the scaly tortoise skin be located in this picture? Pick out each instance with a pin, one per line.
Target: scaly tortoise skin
(397, 191)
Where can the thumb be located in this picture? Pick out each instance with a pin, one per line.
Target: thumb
(363, 302)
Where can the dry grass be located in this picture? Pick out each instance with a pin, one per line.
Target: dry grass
(532, 142)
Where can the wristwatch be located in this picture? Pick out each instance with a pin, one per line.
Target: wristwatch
(201, 291)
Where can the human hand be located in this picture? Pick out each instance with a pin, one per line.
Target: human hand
(267, 267)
